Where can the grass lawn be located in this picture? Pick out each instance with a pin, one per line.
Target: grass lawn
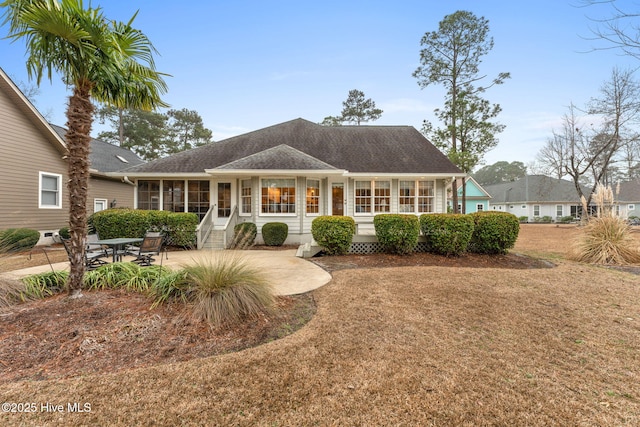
(415, 345)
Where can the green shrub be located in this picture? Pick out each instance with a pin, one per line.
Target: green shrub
(275, 233)
(179, 229)
(397, 233)
(523, 218)
(226, 290)
(18, 239)
(64, 233)
(333, 233)
(494, 232)
(114, 223)
(244, 235)
(447, 234)
(567, 219)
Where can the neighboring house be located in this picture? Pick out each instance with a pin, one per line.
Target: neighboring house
(536, 196)
(34, 169)
(628, 199)
(295, 171)
(477, 197)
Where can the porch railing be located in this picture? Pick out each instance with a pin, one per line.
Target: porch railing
(230, 225)
(204, 228)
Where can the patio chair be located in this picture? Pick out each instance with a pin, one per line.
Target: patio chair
(150, 246)
(92, 246)
(92, 258)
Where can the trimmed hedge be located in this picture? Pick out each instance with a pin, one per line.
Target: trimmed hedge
(447, 234)
(275, 233)
(333, 233)
(18, 239)
(179, 228)
(397, 233)
(494, 232)
(244, 235)
(64, 233)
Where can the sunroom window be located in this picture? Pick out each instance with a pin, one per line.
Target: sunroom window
(313, 196)
(278, 196)
(416, 196)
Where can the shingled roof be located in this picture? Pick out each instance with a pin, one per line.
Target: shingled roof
(356, 149)
(629, 191)
(281, 157)
(105, 157)
(534, 188)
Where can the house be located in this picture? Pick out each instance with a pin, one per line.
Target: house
(295, 171)
(536, 197)
(34, 170)
(628, 199)
(477, 198)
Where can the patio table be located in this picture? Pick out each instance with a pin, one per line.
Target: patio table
(117, 244)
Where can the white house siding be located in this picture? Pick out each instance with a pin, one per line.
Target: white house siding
(527, 209)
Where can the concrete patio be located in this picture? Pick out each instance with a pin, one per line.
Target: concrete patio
(288, 274)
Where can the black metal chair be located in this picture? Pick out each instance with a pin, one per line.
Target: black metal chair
(150, 246)
(92, 246)
(92, 258)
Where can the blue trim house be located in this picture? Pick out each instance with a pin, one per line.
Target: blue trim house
(477, 197)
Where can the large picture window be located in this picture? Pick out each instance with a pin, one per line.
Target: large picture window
(278, 196)
(416, 196)
(50, 194)
(373, 196)
(313, 196)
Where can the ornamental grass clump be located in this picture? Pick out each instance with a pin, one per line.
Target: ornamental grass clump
(606, 238)
(227, 290)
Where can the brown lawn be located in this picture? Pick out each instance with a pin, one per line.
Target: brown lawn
(422, 341)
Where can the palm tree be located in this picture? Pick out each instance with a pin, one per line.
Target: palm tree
(108, 61)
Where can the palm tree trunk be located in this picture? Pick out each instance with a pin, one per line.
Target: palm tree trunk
(79, 119)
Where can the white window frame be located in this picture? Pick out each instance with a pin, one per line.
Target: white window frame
(536, 208)
(631, 207)
(560, 210)
(243, 197)
(417, 197)
(58, 191)
(479, 207)
(372, 197)
(104, 202)
(295, 197)
(312, 196)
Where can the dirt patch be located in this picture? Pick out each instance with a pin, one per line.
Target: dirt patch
(108, 331)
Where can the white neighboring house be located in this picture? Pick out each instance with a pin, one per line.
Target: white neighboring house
(628, 199)
(536, 197)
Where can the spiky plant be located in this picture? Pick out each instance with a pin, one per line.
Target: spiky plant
(226, 290)
(606, 238)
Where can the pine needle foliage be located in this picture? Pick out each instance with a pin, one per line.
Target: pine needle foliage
(606, 238)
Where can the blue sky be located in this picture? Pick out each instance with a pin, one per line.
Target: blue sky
(245, 65)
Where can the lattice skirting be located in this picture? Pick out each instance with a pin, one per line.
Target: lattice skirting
(363, 248)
